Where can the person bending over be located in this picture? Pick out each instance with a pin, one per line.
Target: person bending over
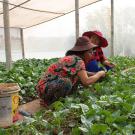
(63, 77)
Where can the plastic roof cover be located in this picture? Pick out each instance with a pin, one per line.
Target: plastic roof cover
(27, 13)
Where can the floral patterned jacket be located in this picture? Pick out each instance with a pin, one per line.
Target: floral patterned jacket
(66, 67)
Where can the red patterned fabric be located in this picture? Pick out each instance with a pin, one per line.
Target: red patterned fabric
(60, 76)
(98, 55)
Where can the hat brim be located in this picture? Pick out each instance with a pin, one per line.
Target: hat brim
(83, 48)
(78, 49)
(104, 42)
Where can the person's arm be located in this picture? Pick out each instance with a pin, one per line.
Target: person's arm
(90, 73)
(90, 80)
(108, 63)
(104, 60)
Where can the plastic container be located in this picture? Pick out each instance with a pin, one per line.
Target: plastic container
(9, 101)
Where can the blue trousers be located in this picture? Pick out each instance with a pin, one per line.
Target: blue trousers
(93, 66)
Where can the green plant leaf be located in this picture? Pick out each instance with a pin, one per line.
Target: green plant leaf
(99, 128)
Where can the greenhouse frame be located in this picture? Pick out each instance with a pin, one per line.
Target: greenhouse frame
(33, 10)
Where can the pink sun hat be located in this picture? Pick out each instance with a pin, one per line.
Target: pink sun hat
(103, 43)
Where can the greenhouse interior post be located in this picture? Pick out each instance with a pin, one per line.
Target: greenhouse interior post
(7, 34)
(112, 28)
(22, 43)
(77, 17)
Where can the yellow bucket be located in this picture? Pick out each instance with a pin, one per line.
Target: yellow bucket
(9, 101)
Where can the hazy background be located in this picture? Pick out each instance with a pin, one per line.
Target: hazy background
(54, 38)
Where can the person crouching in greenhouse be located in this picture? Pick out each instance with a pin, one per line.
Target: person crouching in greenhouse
(98, 61)
(62, 78)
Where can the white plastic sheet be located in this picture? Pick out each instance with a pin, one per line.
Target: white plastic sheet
(26, 13)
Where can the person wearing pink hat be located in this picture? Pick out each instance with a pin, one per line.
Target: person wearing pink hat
(92, 65)
(63, 77)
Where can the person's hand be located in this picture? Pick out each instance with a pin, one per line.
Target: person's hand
(107, 63)
(111, 65)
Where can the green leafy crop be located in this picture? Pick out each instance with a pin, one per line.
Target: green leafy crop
(104, 108)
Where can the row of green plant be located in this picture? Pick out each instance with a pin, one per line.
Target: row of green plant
(105, 108)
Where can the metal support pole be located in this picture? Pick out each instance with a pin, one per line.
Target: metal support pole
(77, 17)
(112, 28)
(7, 34)
(22, 43)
